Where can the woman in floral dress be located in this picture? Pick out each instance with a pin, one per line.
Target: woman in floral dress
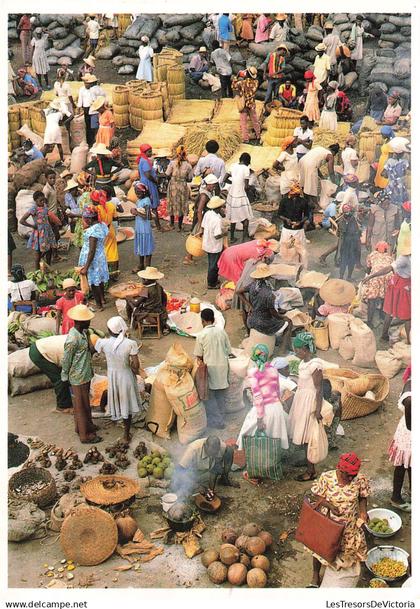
(180, 173)
(42, 239)
(395, 170)
(375, 290)
(92, 257)
(344, 492)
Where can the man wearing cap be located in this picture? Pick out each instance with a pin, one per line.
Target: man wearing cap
(247, 88)
(70, 203)
(280, 29)
(92, 32)
(322, 64)
(211, 163)
(155, 301)
(222, 60)
(77, 370)
(88, 67)
(332, 43)
(198, 64)
(88, 92)
(274, 65)
(213, 232)
(72, 297)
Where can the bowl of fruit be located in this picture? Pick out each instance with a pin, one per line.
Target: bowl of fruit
(377, 582)
(383, 522)
(388, 562)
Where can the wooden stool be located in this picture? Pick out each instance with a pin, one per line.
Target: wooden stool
(155, 323)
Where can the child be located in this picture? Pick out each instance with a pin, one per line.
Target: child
(72, 297)
(144, 244)
(334, 398)
(31, 151)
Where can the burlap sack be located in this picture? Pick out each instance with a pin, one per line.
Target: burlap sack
(364, 344)
(160, 415)
(346, 348)
(20, 365)
(388, 365)
(338, 328)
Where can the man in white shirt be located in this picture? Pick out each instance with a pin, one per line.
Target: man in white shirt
(222, 60)
(332, 42)
(280, 28)
(212, 347)
(213, 233)
(349, 156)
(304, 137)
(92, 32)
(211, 163)
(322, 64)
(87, 95)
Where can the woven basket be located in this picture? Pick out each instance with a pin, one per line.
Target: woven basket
(88, 535)
(320, 336)
(134, 95)
(368, 141)
(24, 113)
(121, 109)
(135, 122)
(134, 83)
(337, 376)
(56, 522)
(120, 95)
(176, 91)
(121, 120)
(175, 75)
(354, 406)
(161, 71)
(151, 101)
(194, 246)
(152, 115)
(358, 386)
(96, 491)
(136, 111)
(28, 476)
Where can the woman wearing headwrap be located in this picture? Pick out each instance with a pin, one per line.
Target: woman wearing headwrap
(344, 492)
(39, 58)
(107, 213)
(148, 177)
(328, 118)
(395, 170)
(387, 135)
(144, 71)
(307, 403)
(62, 90)
(311, 108)
(123, 366)
(92, 257)
(234, 258)
(180, 173)
(287, 164)
(393, 110)
(374, 291)
(144, 243)
(267, 412)
(383, 222)
(349, 156)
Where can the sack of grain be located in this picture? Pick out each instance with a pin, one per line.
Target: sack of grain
(346, 348)
(77, 131)
(328, 188)
(20, 365)
(34, 324)
(388, 365)
(29, 173)
(35, 382)
(364, 343)
(79, 158)
(272, 189)
(108, 52)
(254, 339)
(338, 328)
(402, 351)
(160, 415)
(24, 202)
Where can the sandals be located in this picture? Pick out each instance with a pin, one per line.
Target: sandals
(302, 478)
(404, 507)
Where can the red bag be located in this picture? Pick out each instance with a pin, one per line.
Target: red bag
(318, 532)
(201, 379)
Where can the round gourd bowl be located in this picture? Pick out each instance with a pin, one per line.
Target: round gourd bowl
(376, 554)
(394, 521)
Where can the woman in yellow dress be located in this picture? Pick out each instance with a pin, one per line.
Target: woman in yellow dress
(387, 134)
(107, 213)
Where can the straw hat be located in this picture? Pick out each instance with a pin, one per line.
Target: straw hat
(88, 535)
(312, 279)
(211, 179)
(252, 71)
(55, 104)
(266, 233)
(274, 245)
(262, 270)
(329, 25)
(91, 61)
(337, 292)
(100, 149)
(215, 203)
(162, 152)
(71, 184)
(80, 313)
(98, 103)
(109, 490)
(320, 47)
(66, 173)
(282, 46)
(151, 272)
(281, 17)
(69, 283)
(90, 78)
(202, 50)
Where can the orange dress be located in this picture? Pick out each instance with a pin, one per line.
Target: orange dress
(106, 128)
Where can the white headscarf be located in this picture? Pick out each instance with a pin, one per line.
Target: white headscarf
(117, 326)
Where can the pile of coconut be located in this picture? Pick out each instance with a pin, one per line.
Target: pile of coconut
(240, 559)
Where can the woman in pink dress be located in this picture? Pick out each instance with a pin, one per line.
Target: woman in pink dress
(263, 28)
(72, 297)
(232, 261)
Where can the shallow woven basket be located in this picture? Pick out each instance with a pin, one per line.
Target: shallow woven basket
(120, 95)
(358, 386)
(88, 535)
(95, 490)
(34, 474)
(337, 376)
(135, 122)
(354, 406)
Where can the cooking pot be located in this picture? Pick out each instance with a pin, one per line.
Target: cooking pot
(179, 522)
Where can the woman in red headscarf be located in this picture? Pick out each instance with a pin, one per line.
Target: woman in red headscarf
(311, 108)
(148, 177)
(107, 213)
(344, 492)
(374, 291)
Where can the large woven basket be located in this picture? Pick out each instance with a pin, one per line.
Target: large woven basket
(88, 535)
(134, 83)
(337, 376)
(151, 101)
(152, 115)
(135, 122)
(120, 95)
(121, 120)
(31, 475)
(354, 406)
(134, 95)
(136, 111)
(97, 490)
(175, 75)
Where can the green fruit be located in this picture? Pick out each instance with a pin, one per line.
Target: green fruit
(168, 473)
(142, 472)
(156, 461)
(166, 462)
(146, 460)
(150, 468)
(158, 473)
(156, 453)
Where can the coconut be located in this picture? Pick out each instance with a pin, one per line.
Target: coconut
(260, 562)
(126, 526)
(266, 537)
(251, 529)
(217, 572)
(237, 574)
(245, 560)
(255, 545)
(229, 536)
(240, 543)
(229, 553)
(209, 556)
(256, 578)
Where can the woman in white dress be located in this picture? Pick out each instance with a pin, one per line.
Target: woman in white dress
(328, 118)
(144, 71)
(287, 164)
(54, 114)
(122, 368)
(238, 208)
(307, 403)
(39, 58)
(62, 90)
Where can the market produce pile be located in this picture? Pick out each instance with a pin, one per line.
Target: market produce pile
(155, 465)
(388, 567)
(380, 525)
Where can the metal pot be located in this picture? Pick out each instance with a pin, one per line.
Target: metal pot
(184, 524)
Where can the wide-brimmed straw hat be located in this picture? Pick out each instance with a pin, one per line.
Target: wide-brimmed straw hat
(98, 103)
(283, 46)
(281, 17)
(80, 313)
(252, 71)
(320, 47)
(55, 104)
(211, 179)
(216, 202)
(71, 184)
(91, 61)
(263, 270)
(69, 283)
(337, 292)
(109, 490)
(150, 272)
(90, 78)
(100, 149)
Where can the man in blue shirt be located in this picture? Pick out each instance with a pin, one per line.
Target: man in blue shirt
(329, 212)
(31, 151)
(225, 30)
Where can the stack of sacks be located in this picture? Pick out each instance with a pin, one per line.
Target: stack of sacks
(67, 35)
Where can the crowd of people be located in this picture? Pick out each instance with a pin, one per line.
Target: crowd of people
(366, 223)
